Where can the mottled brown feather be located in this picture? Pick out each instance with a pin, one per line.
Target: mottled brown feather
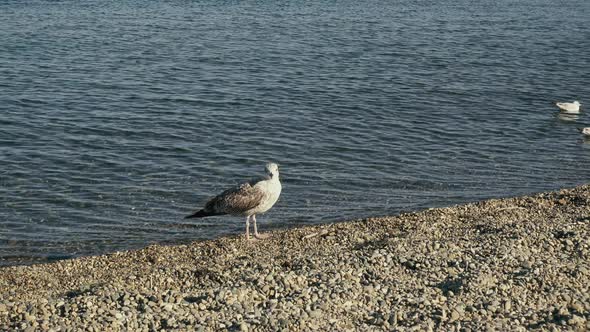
(235, 200)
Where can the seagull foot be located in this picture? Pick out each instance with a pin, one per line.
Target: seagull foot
(252, 240)
(261, 236)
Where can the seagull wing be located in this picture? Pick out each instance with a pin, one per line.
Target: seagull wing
(562, 105)
(236, 200)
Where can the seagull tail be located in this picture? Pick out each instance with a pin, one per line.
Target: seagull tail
(199, 214)
(580, 129)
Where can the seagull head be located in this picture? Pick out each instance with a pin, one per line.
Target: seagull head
(272, 170)
(577, 103)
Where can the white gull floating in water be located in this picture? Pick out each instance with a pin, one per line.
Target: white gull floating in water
(248, 199)
(585, 131)
(573, 108)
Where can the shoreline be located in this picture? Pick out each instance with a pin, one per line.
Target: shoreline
(502, 264)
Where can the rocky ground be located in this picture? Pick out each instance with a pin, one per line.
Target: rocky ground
(508, 264)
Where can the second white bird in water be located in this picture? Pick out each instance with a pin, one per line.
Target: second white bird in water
(585, 131)
(572, 108)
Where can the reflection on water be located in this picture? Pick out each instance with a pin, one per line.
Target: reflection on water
(568, 117)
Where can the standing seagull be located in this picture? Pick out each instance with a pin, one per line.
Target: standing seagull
(248, 199)
(572, 108)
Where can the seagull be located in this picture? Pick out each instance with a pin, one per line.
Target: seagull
(573, 108)
(247, 199)
(585, 131)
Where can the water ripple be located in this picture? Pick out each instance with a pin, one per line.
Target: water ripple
(118, 118)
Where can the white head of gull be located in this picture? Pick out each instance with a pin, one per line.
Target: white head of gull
(572, 108)
(248, 199)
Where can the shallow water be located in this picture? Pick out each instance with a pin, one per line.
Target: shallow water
(120, 117)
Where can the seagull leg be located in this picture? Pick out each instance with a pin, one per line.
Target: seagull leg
(255, 229)
(248, 228)
(258, 236)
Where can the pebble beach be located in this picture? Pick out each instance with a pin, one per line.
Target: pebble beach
(509, 264)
